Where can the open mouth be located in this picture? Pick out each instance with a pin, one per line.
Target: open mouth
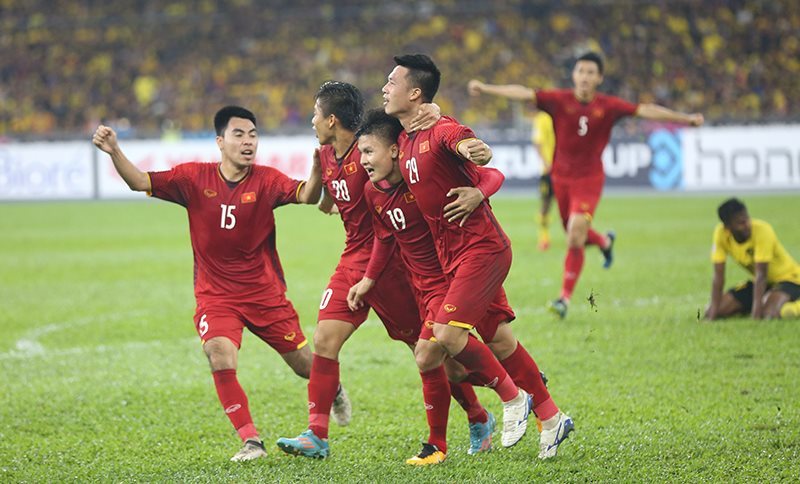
(369, 170)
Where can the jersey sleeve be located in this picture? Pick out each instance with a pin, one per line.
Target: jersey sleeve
(620, 108)
(172, 185)
(764, 242)
(285, 189)
(718, 251)
(491, 179)
(450, 133)
(546, 100)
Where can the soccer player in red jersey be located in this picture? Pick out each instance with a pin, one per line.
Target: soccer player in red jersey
(393, 211)
(238, 279)
(582, 119)
(475, 257)
(338, 110)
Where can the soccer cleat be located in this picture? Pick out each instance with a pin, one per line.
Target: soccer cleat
(306, 444)
(790, 310)
(544, 242)
(608, 253)
(515, 418)
(252, 449)
(480, 435)
(429, 455)
(341, 410)
(558, 307)
(549, 440)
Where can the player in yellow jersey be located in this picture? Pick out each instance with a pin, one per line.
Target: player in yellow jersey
(775, 290)
(544, 140)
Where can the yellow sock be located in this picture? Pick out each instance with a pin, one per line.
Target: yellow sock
(791, 310)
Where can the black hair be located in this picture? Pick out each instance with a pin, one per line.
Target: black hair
(378, 123)
(592, 57)
(224, 115)
(423, 73)
(729, 209)
(343, 100)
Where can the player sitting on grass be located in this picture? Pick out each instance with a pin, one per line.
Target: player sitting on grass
(775, 290)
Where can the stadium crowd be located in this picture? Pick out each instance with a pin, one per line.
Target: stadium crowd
(150, 67)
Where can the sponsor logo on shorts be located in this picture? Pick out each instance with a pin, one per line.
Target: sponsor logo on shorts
(233, 408)
(449, 308)
(424, 147)
(249, 197)
(290, 336)
(209, 193)
(350, 168)
(429, 324)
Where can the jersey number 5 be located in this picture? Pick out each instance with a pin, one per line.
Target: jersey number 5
(228, 219)
(583, 125)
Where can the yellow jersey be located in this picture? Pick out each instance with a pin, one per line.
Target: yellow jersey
(762, 246)
(544, 136)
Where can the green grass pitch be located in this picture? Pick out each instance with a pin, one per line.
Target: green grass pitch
(103, 378)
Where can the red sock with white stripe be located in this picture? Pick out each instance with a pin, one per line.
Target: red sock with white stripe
(436, 392)
(323, 384)
(234, 401)
(478, 358)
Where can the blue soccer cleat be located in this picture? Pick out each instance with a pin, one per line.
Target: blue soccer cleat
(480, 435)
(306, 444)
(608, 253)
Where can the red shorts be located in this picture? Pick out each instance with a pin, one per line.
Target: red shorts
(391, 298)
(579, 196)
(275, 322)
(499, 312)
(474, 288)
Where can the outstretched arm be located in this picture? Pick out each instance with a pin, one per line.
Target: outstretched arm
(660, 113)
(311, 190)
(106, 140)
(511, 91)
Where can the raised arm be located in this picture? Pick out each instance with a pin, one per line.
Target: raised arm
(511, 91)
(716, 291)
(106, 140)
(660, 113)
(312, 189)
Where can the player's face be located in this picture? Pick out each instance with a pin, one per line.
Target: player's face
(397, 92)
(379, 158)
(740, 226)
(586, 76)
(322, 125)
(239, 143)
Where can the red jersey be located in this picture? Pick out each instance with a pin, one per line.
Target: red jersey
(395, 214)
(232, 227)
(344, 179)
(431, 166)
(582, 129)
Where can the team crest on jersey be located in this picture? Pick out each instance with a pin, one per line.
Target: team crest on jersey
(425, 146)
(350, 168)
(209, 193)
(249, 197)
(449, 308)
(290, 336)
(409, 197)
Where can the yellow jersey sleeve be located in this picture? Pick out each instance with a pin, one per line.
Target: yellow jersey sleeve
(719, 251)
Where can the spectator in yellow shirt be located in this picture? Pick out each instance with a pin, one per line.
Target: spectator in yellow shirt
(544, 140)
(775, 290)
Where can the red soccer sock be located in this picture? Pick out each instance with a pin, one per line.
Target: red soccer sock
(234, 401)
(478, 358)
(523, 369)
(464, 394)
(596, 238)
(322, 386)
(573, 265)
(436, 392)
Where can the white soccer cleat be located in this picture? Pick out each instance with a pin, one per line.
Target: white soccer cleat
(549, 440)
(341, 410)
(251, 450)
(515, 418)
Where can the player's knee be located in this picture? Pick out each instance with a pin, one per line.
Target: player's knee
(449, 337)
(456, 372)
(502, 347)
(300, 362)
(221, 354)
(428, 355)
